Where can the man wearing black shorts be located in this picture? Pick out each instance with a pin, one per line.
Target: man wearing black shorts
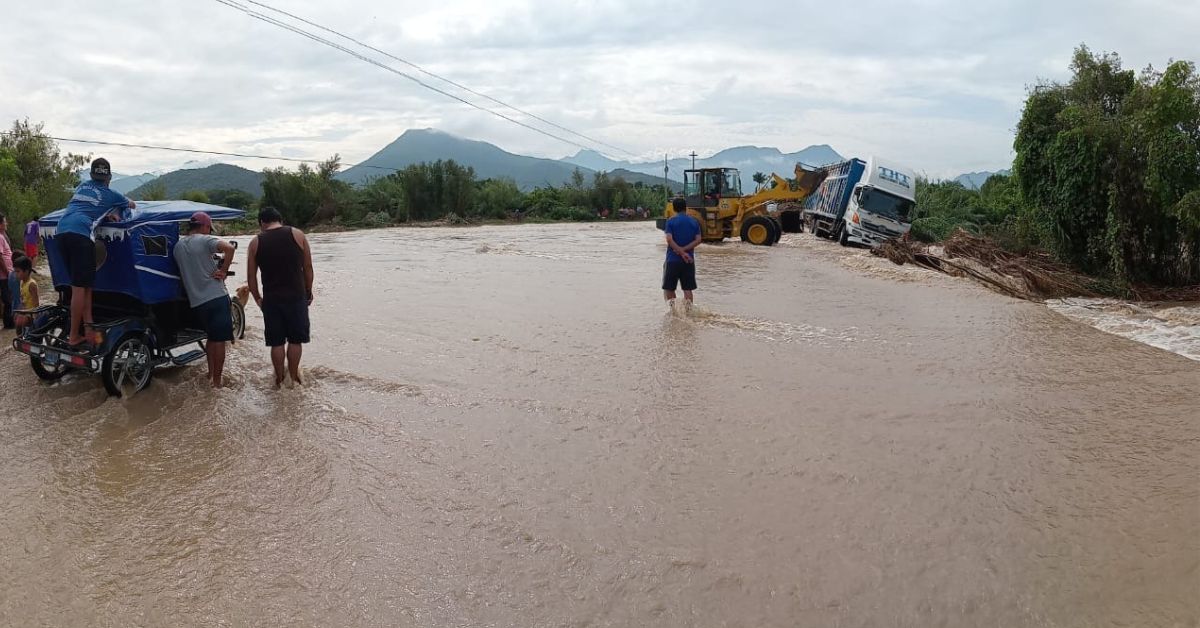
(283, 256)
(683, 236)
(204, 282)
(92, 203)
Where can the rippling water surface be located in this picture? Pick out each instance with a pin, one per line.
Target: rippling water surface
(504, 426)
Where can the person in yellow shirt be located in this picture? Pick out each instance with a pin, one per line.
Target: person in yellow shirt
(27, 293)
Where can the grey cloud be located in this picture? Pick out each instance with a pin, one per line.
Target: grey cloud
(935, 82)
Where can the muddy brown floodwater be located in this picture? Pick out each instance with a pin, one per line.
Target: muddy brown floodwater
(504, 427)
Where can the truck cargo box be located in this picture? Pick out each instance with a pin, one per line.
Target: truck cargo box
(830, 200)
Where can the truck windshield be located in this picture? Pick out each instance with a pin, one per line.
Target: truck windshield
(887, 205)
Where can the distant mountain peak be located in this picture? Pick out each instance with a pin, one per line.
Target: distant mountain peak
(214, 176)
(488, 160)
(975, 180)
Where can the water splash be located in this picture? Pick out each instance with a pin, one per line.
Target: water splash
(1172, 327)
(776, 331)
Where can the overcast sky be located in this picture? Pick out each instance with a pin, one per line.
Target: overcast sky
(937, 84)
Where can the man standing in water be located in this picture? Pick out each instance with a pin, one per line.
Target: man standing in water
(204, 283)
(283, 255)
(683, 236)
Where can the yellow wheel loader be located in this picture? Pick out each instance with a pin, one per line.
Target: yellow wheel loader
(714, 197)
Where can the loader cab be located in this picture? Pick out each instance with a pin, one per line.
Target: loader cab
(705, 187)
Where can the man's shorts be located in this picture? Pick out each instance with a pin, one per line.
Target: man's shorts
(216, 319)
(285, 321)
(79, 254)
(681, 273)
(31, 251)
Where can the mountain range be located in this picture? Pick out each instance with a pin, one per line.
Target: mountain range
(214, 177)
(126, 183)
(747, 159)
(975, 180)
(489, 161)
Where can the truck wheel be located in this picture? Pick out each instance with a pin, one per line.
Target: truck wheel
(778, 229)
(843, 236)
(126, 369)
(759, 231)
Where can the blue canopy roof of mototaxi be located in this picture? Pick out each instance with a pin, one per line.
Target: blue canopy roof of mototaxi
(158, 211)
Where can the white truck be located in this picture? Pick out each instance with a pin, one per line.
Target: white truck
(862, 202)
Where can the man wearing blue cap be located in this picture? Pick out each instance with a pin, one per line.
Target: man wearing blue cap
(93, 202)
(204, 281)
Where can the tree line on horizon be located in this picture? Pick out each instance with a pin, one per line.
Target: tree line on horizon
(429, 191)
(1106, 178)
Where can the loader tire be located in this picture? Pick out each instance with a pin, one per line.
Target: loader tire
(759, 231)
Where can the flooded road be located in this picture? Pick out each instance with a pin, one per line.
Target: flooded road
(503, 426)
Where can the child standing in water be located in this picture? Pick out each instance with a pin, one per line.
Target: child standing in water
(25, 294)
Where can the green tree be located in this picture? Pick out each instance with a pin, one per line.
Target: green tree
(544, 201)
(384, 195)
(760, 178)
(234, 199)
(1108, 164)
(154, 191)
(497, 197)
(308, 194)
(35, 177)
(435, 190)
(197, 196)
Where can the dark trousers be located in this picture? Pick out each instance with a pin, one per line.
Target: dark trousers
(6, 298)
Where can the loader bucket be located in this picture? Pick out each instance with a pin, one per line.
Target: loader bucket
(809, 180)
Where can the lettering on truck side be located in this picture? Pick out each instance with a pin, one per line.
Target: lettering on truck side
(899, 178)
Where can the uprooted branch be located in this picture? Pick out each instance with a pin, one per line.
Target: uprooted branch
(1033, 276)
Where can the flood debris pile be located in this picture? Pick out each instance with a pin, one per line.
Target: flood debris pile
(1032, 276)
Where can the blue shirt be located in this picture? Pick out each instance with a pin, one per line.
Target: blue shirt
(683, 229)
(92, 200)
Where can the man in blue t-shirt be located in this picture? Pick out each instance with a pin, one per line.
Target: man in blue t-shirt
(92, 203)
(683, 236)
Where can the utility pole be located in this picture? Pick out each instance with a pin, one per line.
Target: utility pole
(693, 156)
(666, 186)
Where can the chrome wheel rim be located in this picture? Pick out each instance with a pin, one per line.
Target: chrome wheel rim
(131, 366)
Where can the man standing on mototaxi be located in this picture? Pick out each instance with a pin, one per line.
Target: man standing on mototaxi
(92, 203)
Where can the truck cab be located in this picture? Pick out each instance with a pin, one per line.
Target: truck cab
(881, 205)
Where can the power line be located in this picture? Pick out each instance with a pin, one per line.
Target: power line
(439, 77)
(270, 20)
(196, 151)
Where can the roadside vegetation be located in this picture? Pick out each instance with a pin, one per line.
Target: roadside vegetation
(445, 191)
(1106, 176)
(34, 176)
